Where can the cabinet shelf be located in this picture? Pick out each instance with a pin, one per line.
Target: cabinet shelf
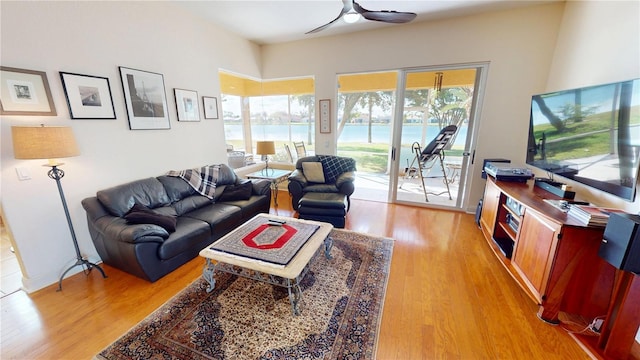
(506, 262)
(507, 229)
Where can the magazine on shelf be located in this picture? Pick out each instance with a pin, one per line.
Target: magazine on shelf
(592, 215)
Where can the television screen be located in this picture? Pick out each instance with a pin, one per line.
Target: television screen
(590, 135)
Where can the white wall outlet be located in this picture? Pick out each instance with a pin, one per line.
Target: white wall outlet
(596, 325)
(23, 173)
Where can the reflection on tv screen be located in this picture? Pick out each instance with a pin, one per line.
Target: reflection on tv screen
(590, 135)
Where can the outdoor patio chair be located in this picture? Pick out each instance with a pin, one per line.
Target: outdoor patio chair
(301, 151)
(287, 150)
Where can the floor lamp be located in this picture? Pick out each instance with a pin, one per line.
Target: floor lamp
(265, 148)
(51, 142)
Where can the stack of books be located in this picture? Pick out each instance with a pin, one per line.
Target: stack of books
(590, 215)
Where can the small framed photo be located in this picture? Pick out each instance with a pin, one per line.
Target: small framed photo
(88, 97)
(210, 107)
(25, 92)
(145, 98)
(187, 105)
(325, 116)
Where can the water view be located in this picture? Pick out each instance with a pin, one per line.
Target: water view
(352, 133)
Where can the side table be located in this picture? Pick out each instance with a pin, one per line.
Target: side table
(276, 176)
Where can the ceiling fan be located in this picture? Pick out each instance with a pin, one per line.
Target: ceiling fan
(354, 10)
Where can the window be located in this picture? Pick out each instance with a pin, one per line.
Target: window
(278, 110)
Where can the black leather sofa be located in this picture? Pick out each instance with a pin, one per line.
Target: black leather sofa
(151, 251)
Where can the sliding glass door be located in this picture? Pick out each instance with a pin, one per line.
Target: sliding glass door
(387, 119)
(433, 134)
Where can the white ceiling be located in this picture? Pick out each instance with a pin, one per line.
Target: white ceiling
(275, 21)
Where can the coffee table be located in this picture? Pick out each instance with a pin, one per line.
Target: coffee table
(288, 276)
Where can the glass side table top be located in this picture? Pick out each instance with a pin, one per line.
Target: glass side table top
(270, 174)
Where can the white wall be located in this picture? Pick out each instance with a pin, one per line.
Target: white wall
(597, 44)
(518, 44)
(95, 38)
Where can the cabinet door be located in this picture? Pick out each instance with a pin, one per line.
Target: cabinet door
(535, 249)
(490, 203)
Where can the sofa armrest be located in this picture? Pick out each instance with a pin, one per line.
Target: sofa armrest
(345, 183)
(105, 226)
(349, 176)
(261, 186)
(117, 229)
(298, 176)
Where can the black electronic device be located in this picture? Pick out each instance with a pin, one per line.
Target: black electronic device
(513, 222)
(508, 172)
(621, 244)
(484, 164)
(556, 188)
(479, 212)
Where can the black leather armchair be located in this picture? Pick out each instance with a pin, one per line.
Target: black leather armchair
(339, 173)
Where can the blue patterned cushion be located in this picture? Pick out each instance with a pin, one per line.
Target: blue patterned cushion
(333, 166)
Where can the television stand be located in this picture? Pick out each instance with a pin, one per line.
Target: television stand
(555, 259)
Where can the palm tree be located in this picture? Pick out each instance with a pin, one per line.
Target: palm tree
(308, 100)
(347, 101)
(383, 99)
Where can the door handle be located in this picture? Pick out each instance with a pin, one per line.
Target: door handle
(393, 154)
(473, 155)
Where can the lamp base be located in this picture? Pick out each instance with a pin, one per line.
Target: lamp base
(80, 262)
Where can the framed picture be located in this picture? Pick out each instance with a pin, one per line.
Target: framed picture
(187, 105)
(88, 97)
(145, 98)
(210, 107)
(25, 92)
(325, 116)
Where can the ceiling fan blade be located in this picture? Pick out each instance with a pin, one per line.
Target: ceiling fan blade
(345, 9)
(388, 16)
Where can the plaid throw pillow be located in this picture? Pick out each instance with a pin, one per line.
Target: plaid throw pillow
(335, 165)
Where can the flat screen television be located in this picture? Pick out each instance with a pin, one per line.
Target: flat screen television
(590, 135)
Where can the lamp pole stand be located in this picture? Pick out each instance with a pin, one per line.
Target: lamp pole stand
(57, 174)
(266, 169)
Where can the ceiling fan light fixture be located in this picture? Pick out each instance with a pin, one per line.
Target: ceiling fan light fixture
(351, 17)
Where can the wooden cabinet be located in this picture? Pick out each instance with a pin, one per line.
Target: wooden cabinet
(555, 261)
(550, 255)
(536, 243)
(490, 204)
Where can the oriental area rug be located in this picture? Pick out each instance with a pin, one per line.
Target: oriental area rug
(341, 309)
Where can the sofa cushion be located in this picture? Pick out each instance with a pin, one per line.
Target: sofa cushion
(221, 217)
(189, 233)
(140, 214)
(336, 165)
(226, 175)
(118, 200)
(241, 191)
(190, 203)
(176, 188)
(321, 188)
(313, 172)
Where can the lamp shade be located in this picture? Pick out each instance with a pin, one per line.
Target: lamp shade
(265, 148)
(50, 142)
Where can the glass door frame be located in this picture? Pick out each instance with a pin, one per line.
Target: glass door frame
(462, 198)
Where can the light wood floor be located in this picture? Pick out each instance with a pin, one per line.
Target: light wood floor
(447, 298)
